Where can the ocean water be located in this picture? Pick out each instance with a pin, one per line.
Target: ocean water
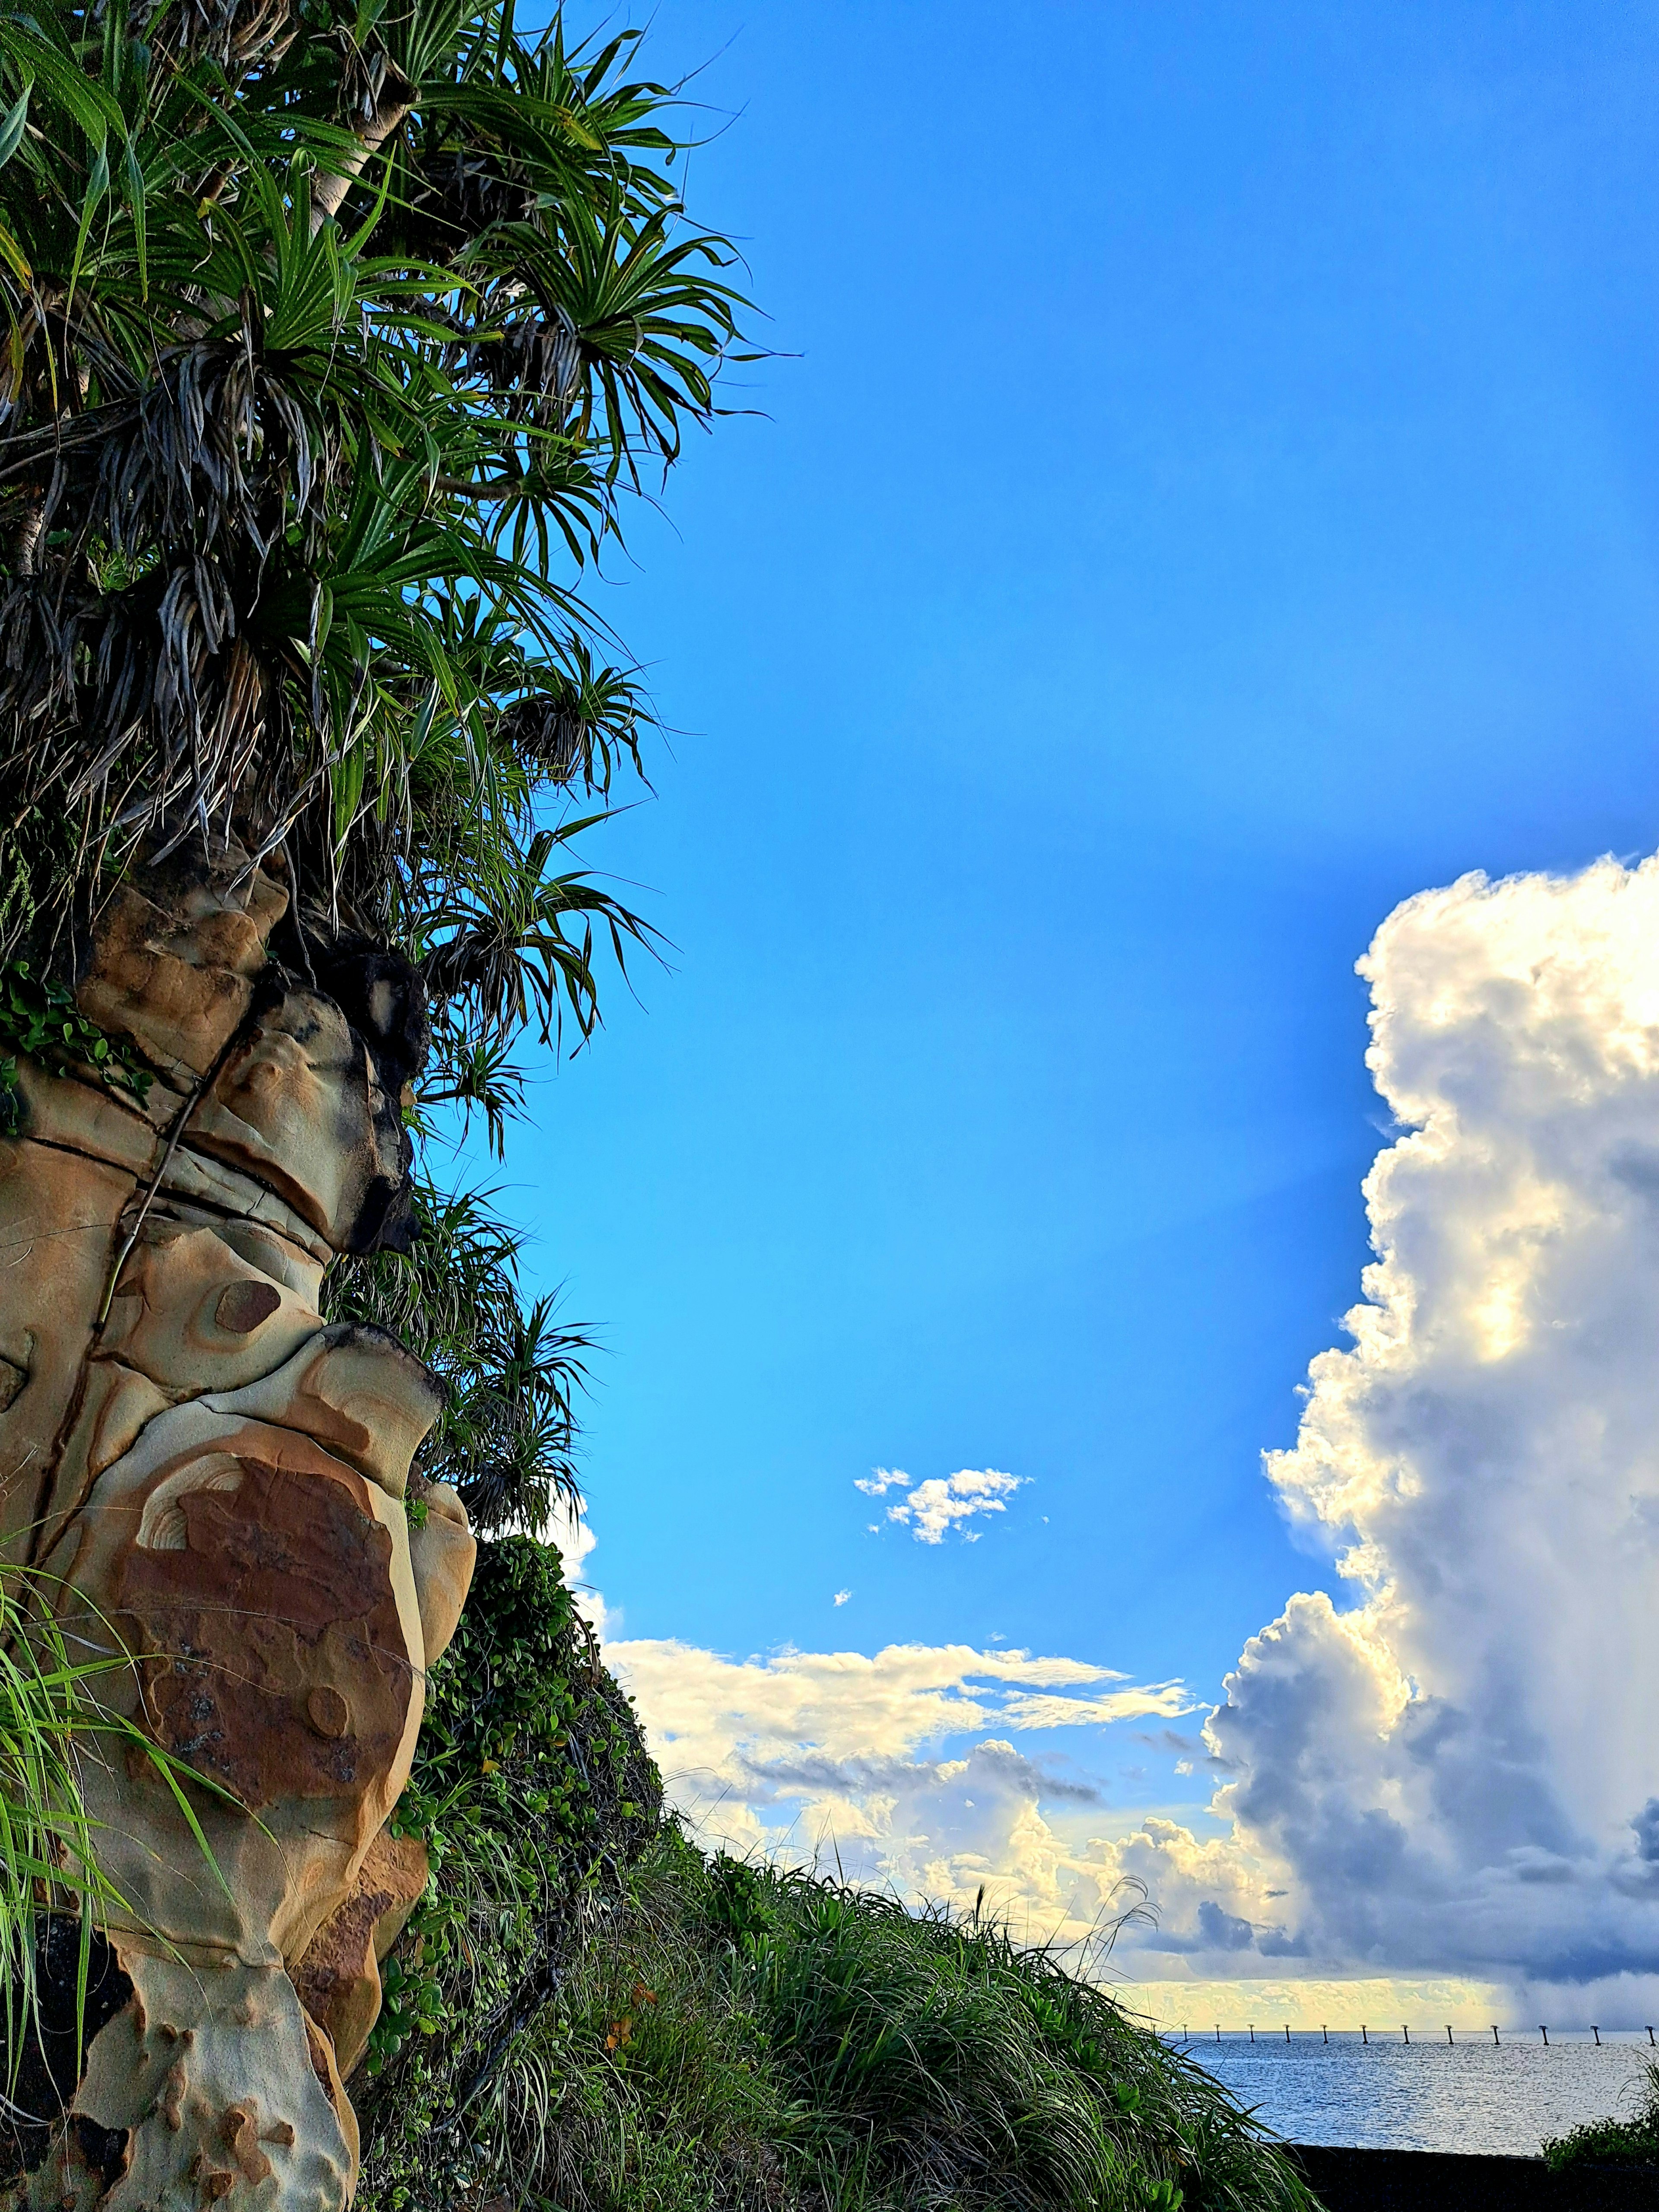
(1386, 2095)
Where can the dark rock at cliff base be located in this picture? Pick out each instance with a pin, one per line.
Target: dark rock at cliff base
(1347, 2180)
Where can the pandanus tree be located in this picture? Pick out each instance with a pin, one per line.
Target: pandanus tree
(331, 345)
(332, 341)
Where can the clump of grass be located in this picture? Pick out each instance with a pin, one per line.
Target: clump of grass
(49, 1721)
(1634, 2142)
(54, 1891)
(984, 2072)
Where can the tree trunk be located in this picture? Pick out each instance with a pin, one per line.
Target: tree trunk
(211, 1481)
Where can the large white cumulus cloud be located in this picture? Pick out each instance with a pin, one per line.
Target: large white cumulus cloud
(1461, 1771)
(1452, 1770)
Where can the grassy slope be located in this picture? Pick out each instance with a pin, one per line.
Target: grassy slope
(738, 2035)
(590, 2014)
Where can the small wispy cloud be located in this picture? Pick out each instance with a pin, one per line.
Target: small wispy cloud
(841, 1596)
(946, 1501)
(881, 1479)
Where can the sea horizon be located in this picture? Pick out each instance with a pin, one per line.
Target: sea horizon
(1384, 2093)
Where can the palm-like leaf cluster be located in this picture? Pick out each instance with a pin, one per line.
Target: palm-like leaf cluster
(331, 341)
(506, 1438)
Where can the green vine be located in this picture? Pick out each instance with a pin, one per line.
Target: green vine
(40, 1021)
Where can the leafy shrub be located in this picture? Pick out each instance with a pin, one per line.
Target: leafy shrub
(1634, 2142)
(40, 1020)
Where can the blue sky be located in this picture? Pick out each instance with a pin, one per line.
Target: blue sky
(1206, 494)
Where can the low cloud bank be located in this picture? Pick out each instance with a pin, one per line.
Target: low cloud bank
(1447, 1778)
(821, 1753)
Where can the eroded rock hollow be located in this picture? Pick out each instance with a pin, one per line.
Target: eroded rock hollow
(210, 1480)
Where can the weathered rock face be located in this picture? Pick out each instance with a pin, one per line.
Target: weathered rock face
(213, 1483)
